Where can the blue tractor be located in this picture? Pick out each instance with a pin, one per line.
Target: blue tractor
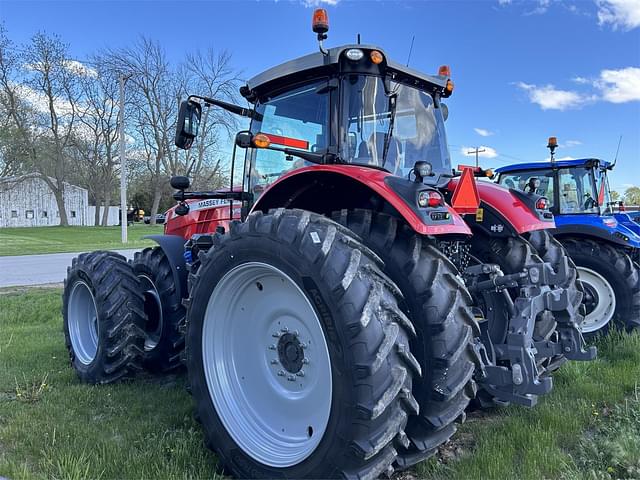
(603, 242)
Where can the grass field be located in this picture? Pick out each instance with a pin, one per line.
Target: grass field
(51, 426)
(32, 240)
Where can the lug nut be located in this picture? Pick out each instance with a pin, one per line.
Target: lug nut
(284, 329)
(291, 378)
(281, 373)
(305, 361)
(272, 347)
(300, 373)
(274, 362)
(275, 335)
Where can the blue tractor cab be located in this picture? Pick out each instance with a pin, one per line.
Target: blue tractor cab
(602, 241)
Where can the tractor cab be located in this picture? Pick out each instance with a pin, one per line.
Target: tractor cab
(579, 197)
(345, 122)
(571, 186)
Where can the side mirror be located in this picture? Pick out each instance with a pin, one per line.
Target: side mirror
(188, 123)
(179, 183)
(445, 111)
(244, 139)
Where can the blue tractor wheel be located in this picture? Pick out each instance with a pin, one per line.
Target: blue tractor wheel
(612, 285)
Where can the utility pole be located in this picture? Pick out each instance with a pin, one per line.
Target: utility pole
(476, 150)
(123, 171)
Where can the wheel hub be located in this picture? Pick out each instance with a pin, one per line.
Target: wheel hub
(600, 301)
(290, 353)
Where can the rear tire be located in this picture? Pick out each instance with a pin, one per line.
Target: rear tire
(369, 366)
(164, 338)
(607, 271)
(103, 317)
(438, 304)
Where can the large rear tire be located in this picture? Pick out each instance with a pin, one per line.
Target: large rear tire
(103, 317)
(612, 284)
(164, 337)
(297, 351)
(438, 304)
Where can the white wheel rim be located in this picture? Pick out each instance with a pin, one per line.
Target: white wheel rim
(82, 320)
(606, 301)
(153, 310)
(275, 413)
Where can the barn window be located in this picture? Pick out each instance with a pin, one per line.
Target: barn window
(73, 214)
(44, 214)
(14, 213)
(28, 214)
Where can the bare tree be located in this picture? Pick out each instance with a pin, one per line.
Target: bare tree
(211, 74)
(97, 134)
(155, 89)
(44, 77)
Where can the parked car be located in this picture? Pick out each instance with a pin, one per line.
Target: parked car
(160, 218)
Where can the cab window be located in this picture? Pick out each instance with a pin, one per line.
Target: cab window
(576, 191)
(298, 117)
(520, 180)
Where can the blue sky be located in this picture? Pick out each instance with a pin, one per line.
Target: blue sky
(523, 70)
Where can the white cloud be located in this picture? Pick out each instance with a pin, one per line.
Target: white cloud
(488, 152)
(320, 3)
(80, 69)
(504, 2)
(549, 97)
(483, 132)
(622, 14)
(543, 6)
(581, 80)
(571, 143)
(620, 86)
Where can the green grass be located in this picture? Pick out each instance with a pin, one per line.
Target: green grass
(33, 240)
(51, 426)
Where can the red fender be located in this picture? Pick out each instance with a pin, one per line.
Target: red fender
(518, 214)
(374, 180)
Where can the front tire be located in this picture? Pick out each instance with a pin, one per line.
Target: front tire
(612, 285)
(294, 292)
(103, 317)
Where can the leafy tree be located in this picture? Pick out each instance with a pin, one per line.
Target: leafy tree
(632, 196)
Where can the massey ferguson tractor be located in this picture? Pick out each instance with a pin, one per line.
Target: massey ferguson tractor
(339, 308)
(603, 242)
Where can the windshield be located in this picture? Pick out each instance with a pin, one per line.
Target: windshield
(391, 131)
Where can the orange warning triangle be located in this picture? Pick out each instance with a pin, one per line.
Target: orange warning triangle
(601, 194)
(465, 197)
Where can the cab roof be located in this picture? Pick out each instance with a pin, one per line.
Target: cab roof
(318, 64)
(580, 162)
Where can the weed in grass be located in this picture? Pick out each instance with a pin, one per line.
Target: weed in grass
(31, 391)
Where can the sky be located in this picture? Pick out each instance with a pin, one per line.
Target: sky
(523, 70)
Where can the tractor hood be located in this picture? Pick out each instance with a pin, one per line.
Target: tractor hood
(614, 228)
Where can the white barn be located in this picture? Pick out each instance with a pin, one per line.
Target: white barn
(27, 201)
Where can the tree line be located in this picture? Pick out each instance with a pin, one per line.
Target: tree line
(59, 119)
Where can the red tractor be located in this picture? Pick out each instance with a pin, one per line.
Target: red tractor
(336, 311)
